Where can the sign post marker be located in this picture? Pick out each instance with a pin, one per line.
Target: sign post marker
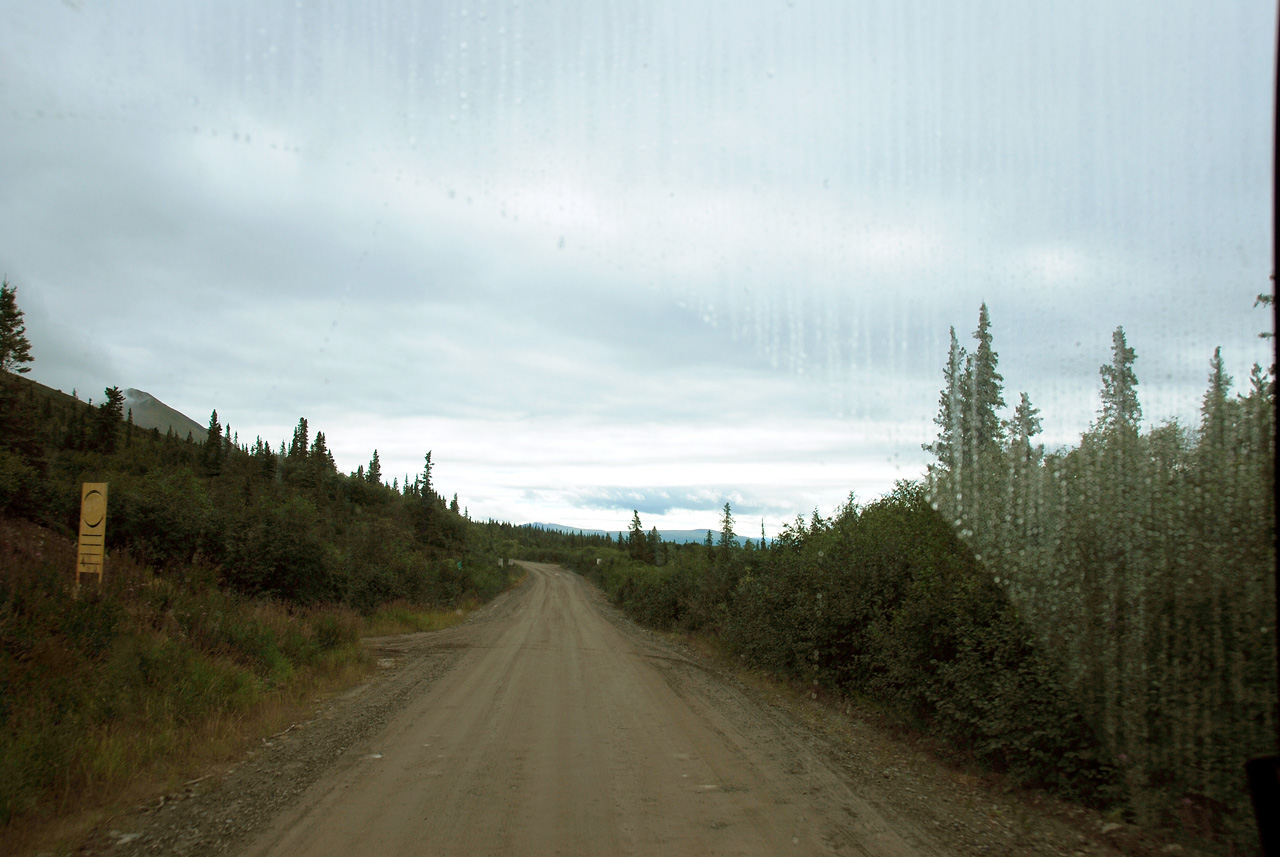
(93, 531)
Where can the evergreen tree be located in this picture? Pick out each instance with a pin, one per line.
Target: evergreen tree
(107, 420)
(637, 541)
(982, 393)
(374, 474)
(816, 523)
(211, 456)
(15, 349)
(426, 476)
(299, 447)
(17, 424)
(655, 547)
(453, 505)
(728, 540)
(949, 447)
(265, 459)
(1215, 419)
(320, 455)
(1024, 426)
(1120, 409)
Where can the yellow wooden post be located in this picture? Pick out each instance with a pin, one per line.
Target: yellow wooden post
(93, 530)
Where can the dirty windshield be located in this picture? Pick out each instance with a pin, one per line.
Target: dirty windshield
(912, 356)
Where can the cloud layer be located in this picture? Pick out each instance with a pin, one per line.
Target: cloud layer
(618, 255)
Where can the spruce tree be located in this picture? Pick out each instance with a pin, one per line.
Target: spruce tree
(637, 542)
(1120, 409)
(949, 447)
(727, 538)
(107, 419)
(1024, 426)
(298, 447)
(320, 455)
(1215, 418)
(16, 421)
(982, 394)
(374, 474)
(655, 546)
(15, 348)
(211, 455)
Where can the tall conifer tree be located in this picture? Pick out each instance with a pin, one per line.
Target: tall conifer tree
(1120, 408)
(949, 447)
(211, 455)
(298, 447)
(983, 392)
(15, 348)
(107, 420)
(1215, 418)
(727, 536)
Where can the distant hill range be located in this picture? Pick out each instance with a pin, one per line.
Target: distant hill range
(677, 536)
(151, 413)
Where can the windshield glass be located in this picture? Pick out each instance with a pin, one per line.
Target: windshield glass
(684, 264)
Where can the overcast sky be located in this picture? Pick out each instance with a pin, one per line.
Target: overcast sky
(605, 256)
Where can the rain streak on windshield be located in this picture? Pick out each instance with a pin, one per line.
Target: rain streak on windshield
(622, 258)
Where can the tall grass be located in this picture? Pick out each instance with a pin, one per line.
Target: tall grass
(101, 687)
(401, 617)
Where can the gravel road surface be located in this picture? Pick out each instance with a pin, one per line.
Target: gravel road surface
(557, 732)
(550, 724)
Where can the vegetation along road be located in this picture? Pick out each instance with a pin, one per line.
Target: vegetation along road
(551, 724)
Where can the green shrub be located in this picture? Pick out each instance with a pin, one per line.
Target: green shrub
(887, 603)
(18, 485)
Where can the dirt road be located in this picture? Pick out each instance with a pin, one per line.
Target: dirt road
(559, 731)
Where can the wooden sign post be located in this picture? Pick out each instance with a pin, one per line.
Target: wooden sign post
(93, 530)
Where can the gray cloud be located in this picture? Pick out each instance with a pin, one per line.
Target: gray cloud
(610, 215)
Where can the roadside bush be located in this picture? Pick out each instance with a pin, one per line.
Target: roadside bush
(163, 518)
(887, 603)
(275, 550)
(94, 687)
(18, 485)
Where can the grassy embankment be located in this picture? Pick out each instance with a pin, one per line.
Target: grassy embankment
(114, 697)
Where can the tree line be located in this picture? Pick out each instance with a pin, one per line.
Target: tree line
(280, 522)
(239, 578)
(1143, 558)
(1097, 620)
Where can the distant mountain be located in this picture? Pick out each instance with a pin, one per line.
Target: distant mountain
(677, 536)
(151, 413)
